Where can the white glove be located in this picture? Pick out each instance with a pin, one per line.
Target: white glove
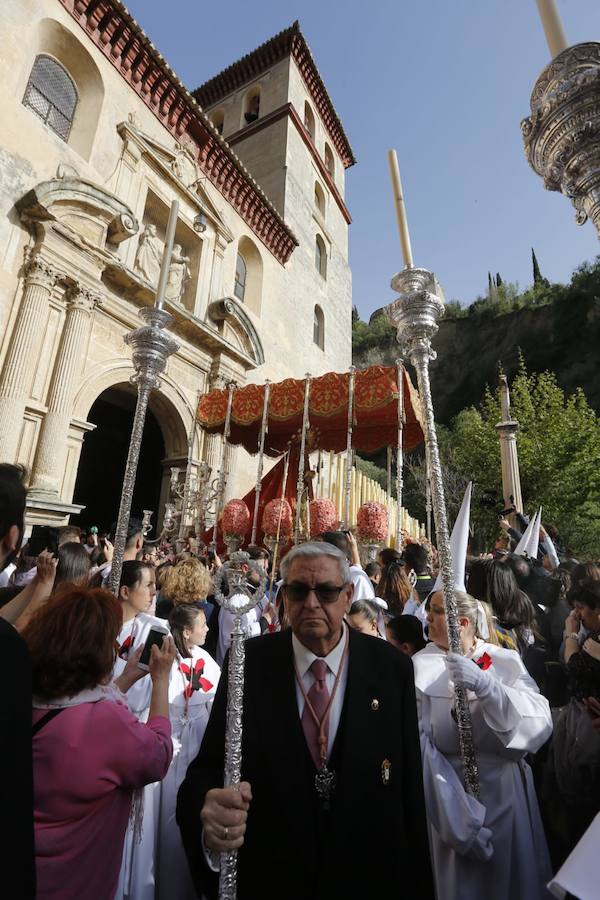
(482, 847)
(465, 672)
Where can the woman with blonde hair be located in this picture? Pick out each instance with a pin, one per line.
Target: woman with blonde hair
(493, 846)
(188, 581)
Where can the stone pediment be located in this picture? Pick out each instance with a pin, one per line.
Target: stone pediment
(177, 163)
(83, 208)
(237, 327)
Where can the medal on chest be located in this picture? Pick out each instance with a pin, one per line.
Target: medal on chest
(324, 785)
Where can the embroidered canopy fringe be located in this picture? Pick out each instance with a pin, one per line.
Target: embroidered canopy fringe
(375, 412)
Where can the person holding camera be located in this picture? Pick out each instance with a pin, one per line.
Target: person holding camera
(90, 754)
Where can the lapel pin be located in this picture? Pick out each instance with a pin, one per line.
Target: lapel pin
(375, 704)
(386, 770)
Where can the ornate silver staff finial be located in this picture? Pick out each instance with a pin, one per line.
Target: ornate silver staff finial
(561, 135)
(240, 599)
(415, 314)
(151, 347)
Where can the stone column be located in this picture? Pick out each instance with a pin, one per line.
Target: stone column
(19, 365)
(52, 444)
(507, 435)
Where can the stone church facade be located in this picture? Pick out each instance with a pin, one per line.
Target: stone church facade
(98, 136)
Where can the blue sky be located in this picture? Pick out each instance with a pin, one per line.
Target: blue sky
(447, 83)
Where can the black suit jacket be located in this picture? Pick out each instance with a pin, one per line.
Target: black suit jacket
(17, 859)
(293, 848)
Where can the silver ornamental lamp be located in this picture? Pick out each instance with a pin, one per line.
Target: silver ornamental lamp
(240, 599)
(151, 347)
(562, 134)
(414, 314)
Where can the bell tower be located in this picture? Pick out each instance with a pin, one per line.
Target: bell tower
(274, 111)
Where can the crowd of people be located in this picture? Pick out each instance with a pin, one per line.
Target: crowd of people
(114, 722)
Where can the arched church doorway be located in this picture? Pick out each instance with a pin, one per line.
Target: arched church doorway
(104, 454)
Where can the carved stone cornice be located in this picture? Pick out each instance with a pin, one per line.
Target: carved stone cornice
(562, 134)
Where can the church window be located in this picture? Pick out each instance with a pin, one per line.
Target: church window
(309, 120)
(218, 118)
(52, 95)
(320, 256)
(251, 105)
(329, 163)
(239, 288)
(319, 198)
(319, 328)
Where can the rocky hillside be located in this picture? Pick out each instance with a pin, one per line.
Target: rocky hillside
(555, 327)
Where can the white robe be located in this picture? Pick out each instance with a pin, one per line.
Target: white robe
(137, 875)
(173, 880)
(514, 719)
(250, 627)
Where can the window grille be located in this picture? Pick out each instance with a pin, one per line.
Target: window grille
(52, 95)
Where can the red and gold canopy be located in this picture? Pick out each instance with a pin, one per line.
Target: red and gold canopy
(375, 412)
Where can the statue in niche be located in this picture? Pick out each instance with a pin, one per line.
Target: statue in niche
(179, 275)
(149, 255)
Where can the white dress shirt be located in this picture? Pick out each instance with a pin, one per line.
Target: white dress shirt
(303, 659)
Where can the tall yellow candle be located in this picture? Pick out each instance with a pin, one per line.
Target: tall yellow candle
(553, 26)
(400, 209)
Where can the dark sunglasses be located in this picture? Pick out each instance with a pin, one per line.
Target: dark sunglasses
(297, 592)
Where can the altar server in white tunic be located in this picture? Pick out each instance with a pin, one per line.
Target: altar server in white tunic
(194, 679)
(136, 593)
(494, 847)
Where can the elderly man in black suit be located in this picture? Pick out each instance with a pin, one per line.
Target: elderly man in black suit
(332, 799)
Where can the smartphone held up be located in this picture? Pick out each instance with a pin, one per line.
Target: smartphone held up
(156, 636)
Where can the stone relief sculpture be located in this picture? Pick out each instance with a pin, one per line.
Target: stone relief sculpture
(179, 274)
(149, 255)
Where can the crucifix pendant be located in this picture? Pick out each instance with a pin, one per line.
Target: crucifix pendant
(324, 784)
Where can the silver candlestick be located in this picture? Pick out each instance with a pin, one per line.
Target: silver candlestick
(151, 347)
(240, 599)
(562, 134)
(414, 314)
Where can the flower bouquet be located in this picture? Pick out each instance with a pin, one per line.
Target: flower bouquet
(235, 523)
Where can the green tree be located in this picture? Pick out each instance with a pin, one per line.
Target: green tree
(559, 458)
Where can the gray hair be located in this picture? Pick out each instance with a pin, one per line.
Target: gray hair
(313, 550)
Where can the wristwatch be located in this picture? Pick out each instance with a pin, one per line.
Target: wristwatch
(572, 635)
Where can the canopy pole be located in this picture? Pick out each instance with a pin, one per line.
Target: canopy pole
(300, 482)
(399, 454)
(352, 372)
(286, 467)
(261, 451)
(222, 473)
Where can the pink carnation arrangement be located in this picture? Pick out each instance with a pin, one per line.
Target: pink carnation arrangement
(270, 519)
(323, 516)
(235, 518)
(372, 522)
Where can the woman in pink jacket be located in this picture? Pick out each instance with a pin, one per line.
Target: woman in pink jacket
(90, 754)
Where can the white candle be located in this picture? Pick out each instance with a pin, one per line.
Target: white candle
(400, 209)
(167, 252)
(553, 27)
